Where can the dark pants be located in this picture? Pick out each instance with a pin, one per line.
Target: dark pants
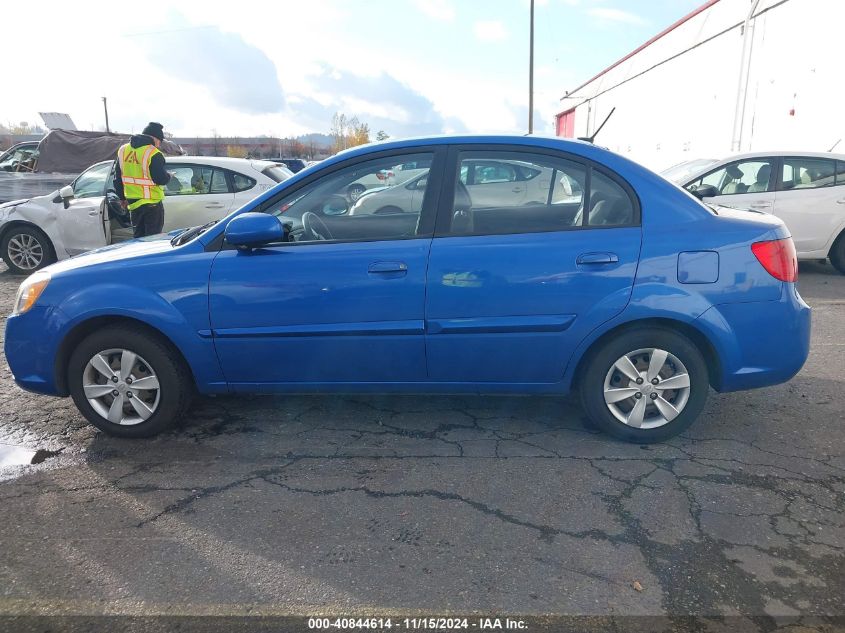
(148, 219)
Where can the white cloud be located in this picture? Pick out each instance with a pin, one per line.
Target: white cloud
(437, 9)
(490, 31)
(608, 14)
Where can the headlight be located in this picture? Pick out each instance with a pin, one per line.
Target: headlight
(29, 292)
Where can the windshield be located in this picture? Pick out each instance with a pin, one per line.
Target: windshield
(277, 172)
(680, 172)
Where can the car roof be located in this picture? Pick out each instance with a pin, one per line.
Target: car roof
(222, 161)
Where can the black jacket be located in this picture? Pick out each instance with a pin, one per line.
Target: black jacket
(158, 171)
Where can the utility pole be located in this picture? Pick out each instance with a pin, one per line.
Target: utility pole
(531, 75)
(106, 110)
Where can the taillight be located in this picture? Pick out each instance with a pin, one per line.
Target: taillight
(778, 258)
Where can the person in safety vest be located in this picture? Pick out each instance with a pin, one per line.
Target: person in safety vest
(139, 179)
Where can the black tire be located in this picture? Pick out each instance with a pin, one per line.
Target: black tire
(354, 192)
(48, 253)
(176, 387)
(602, 359)
(837, 254)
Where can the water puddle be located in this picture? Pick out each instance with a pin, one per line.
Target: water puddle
(19, 456)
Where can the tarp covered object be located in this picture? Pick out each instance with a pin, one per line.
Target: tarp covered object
(73, 151)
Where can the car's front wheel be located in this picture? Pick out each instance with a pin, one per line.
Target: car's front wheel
(26, 249)
(646, 385)
(129, 382)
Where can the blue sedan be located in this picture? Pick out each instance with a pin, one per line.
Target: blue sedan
(530, 265)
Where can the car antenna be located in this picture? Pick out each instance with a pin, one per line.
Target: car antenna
(592, 138)
(833, 147)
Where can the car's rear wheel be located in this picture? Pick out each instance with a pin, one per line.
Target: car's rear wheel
(646, 385)
(354, 192)
(26, 249)
(837, 254)
(128, 382)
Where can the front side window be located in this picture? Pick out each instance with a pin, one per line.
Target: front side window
(92, 183)
(327, 210)
(749, 176)
(517, 192)
(808, 173)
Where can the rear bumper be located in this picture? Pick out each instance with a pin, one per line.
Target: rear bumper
(759, 343)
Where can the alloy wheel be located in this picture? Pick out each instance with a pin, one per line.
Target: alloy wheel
(121, 387)
(647, 388)
(25, 251)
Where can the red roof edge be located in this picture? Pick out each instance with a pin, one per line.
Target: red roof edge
(665, 31)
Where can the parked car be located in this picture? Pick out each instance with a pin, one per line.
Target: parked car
(20, 158)
(86, 215)
(633, 293)
(681, 172)
(487, 182)
(804, 189)
(387, 177)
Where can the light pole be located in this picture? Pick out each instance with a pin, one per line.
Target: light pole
(531, 74)
(106, 110)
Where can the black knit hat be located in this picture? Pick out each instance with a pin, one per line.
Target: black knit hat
(154, 129)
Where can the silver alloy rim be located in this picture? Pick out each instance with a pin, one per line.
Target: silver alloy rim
(121, 387)
(647, 388)
(355, 193)
(25, 251)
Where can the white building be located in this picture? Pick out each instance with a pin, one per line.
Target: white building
(733, 75)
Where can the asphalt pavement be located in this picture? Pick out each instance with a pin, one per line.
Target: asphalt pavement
(281, 506)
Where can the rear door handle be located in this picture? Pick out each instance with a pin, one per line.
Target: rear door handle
(761, 205)
(214, 205)
(381, 268)
(840, 201)
(597, 258)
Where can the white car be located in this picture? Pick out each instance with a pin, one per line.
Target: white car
(804, 189)
(396, 175)
(488, 183)
(85, 215)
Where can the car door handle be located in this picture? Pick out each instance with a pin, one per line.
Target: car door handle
(597, 258)
(761, 205)
(516, 189)
(94, 212)
(381, 268)
(840, 201)
(214, 205)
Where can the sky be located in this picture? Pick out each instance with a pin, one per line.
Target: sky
(284, 67)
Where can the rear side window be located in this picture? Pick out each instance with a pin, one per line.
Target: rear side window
(241, 182)
(276, 173)
(808, 173)
(840, 172)
(501, 192)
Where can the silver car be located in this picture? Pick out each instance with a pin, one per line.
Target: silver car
(488, 183)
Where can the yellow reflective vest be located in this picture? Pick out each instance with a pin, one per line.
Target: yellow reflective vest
(138, 185)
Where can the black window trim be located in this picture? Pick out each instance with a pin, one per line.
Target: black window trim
(783, 159)
(425, 228)
(450, 177)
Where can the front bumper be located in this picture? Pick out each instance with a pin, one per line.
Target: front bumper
(759, 343)
(31, 343)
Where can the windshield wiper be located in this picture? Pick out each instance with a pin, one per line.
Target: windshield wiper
(191, 233)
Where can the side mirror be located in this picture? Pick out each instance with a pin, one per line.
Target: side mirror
(704, 191)
(66, 194)
(251, 230)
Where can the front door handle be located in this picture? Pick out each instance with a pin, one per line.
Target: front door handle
(94, 212)
(516, 189)
(597, 258)
(383, 268)
(214, 205)
(840, 201)
(761, 205)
